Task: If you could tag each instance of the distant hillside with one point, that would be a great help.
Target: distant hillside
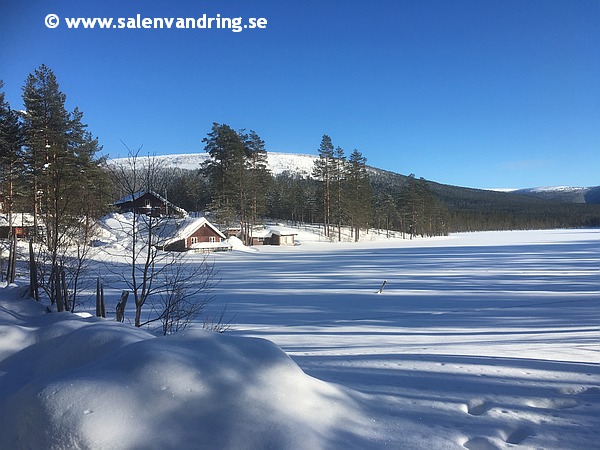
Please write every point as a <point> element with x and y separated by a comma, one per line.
<point>468,209</point>
<point>278,162</point>
<point>478,209</point>
<point>302,164</point>
<point>564,194</point>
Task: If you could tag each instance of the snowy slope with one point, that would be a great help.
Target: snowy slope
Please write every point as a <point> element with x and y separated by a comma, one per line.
<point>565,194</point>
<point>68,382</point>
<point>278,162</point>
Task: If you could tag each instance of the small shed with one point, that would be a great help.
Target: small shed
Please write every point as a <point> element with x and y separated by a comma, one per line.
<point>268,236</point>
<point>261,237</point>
<point>196,234</point>
<point>279,238</point>
<point>149,203</point>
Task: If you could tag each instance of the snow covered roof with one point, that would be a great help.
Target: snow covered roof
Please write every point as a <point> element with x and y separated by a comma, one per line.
<point>18,220</point>
<point>262,233</point>
<point>187,226</point>
<point>141,193</point>
<point>268,232</point>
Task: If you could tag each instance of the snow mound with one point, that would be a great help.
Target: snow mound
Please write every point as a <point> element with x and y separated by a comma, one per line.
<point>237,244</point>
<point>68,382</point>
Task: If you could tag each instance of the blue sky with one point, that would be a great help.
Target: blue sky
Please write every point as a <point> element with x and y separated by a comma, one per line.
<point>482,93</point>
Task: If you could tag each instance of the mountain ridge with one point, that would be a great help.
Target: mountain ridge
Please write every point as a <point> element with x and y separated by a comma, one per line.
<point>302,163</point>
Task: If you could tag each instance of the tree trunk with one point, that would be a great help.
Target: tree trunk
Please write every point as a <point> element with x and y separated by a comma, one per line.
<point>138,315</point>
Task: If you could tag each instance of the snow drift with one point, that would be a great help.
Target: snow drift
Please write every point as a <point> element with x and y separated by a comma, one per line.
<point>69,382</point>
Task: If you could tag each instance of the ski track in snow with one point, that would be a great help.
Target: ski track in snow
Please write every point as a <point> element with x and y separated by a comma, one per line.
<point>478,341</point>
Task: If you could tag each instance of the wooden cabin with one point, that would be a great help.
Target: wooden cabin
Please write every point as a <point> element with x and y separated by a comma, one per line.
<point>149,203</point>
<point>196,234</point>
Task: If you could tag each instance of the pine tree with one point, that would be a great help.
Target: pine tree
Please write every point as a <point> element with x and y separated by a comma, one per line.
<point>259,180</point>
<point>337,188</point>
<point>323,171</point>
<point>359,193</point>
<point>227,172</point>
<point>387,211</point>
<point>61,169</point>
<point>46,135</point>
<point>11,141</point>
<point>424,214</point>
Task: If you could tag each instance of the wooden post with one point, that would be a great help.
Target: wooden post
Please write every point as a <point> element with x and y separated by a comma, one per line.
<point>102,305</point>
<point>9,265</point>
<point>98,308</point>
<point>33,283</point>
<point>12,260</point>
<point>121,306</point>
<point>65,291</point>
<point>60,306</point>
<point>13,271</point>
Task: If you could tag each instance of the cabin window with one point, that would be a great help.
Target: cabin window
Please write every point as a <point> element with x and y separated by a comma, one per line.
<point>194,240</point>
<point>212,239</point>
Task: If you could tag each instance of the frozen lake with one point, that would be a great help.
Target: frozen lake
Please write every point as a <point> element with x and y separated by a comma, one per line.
<point>481,341</point>
<point>477,340</point>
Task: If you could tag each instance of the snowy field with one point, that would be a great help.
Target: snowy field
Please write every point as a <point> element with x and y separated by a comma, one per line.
<point>478,341</point>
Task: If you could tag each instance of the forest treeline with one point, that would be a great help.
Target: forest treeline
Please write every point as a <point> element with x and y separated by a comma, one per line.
<point>346,191</point>
<point>51,167</point>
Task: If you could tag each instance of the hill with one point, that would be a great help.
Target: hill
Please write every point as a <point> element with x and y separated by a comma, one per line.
<point>278,162</point>
<point>564,194</point>
<point>302,164</point>
<point>468,209</point>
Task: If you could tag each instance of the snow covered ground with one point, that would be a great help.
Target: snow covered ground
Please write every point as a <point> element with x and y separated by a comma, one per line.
<point>478,341</point>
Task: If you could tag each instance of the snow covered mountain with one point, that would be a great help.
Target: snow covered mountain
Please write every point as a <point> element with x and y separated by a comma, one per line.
<point>564,194</point>
<point>302,164</point>
<point>278,162</point>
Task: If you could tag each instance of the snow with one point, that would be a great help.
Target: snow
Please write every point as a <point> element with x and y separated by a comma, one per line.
<point>278,162</point>
<point>18,220</point>
<point>74,383</point>
<point>237,245</point>
<point>479,341</point>
<point>555,189</point>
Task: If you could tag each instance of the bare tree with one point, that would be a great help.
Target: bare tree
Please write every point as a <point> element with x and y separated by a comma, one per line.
<point>186,292</point>
<point>142,239</point>
<point>175,287</point>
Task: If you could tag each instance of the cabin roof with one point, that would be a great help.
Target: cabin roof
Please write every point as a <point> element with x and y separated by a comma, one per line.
<point>187,226</point>
<point>135,196</point>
